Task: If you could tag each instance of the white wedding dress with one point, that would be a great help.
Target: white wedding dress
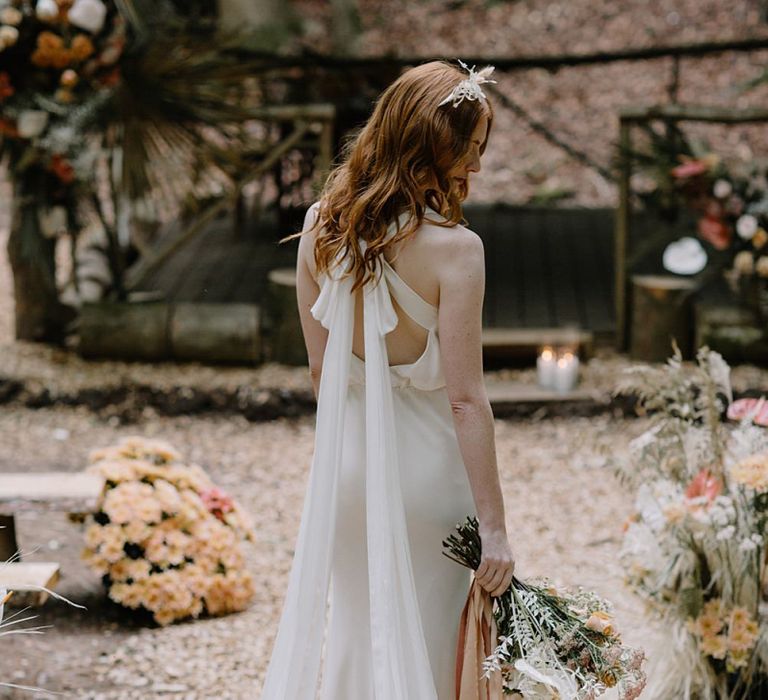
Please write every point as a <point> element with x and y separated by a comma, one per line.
<point>387,485</point>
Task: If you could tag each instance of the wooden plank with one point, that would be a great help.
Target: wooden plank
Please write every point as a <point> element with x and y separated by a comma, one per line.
<point>510,392</point>
<point>512,338</point>
<point>205,266</point>
<point>563,270</point>
<point>524,287</point>
<point>480,224</point>
<point>217,281</point>
<point>586,269</point>
<point>50,491</point>
<point>26,578</point>
<point>600,296</point>
<point>699,113</point>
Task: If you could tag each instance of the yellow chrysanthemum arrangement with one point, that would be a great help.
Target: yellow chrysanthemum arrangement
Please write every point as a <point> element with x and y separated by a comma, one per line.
<point>752,472</point>
<point>165,538</point>
<point>725,634</point>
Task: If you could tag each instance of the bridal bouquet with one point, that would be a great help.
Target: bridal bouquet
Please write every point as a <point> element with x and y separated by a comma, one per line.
<point>695,548</point>
<point>165,538</point>
<point>552,643</point>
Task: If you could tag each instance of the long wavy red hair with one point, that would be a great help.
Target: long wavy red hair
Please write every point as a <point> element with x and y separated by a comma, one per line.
<point>398,162</point>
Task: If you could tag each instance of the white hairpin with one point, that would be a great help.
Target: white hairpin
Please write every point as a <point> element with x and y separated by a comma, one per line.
<point>470,87</point>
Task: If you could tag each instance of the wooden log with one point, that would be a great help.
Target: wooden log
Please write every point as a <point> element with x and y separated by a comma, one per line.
<point>216,333</point>
<point>284,339</point>
<point>125,331</point>
<point>661,313</point>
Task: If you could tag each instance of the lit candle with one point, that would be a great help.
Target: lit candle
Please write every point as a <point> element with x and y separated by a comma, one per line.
<point>566,372</point>
<point>546,367</point>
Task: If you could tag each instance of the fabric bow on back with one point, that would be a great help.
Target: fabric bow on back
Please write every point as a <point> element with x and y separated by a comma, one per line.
<point>400,662</point>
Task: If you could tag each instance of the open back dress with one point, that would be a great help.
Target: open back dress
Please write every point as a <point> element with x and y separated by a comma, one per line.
<point>386,486</point>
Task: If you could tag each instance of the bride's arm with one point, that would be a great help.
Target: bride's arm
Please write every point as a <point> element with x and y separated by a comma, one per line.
<point>307,291</point>
<point>461,276</point>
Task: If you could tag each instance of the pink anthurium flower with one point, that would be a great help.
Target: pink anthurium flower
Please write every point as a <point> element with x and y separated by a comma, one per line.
<point>741,408</point>
<point>704,485</point>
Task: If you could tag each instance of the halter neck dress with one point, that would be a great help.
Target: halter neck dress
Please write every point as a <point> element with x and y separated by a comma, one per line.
<point>386,486</point>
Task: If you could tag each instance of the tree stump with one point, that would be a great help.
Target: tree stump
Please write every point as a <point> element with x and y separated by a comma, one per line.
<point>39,314</point>
<point>661,313</point>
<point>284,339</point>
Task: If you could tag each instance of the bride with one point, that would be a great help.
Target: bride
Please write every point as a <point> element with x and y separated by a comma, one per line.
<point>390,289</point>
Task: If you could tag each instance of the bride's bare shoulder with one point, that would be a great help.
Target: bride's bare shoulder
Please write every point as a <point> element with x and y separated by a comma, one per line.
<point>307,240</point>
<point>450,243</point>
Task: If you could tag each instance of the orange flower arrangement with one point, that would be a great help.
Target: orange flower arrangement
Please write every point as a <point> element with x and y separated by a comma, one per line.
<point>51,52</point>
<point>166,538</point>
<point>62,169</point>
<point>6,89</point>
<point>82,47</point>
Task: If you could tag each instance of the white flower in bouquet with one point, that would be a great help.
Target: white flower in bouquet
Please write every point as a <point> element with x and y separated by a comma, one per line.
<point>47,10</point>
<point>545,681</point>
<point>8,36</point>
<point>746,226</point>
<point>88,15</point>
<point>744,262</point>
<point>32,123</point>
<point>684,257</point>
<point>722,189</point>
<point>751,543</point>
<point>53,221</point>
<point>12,16</point>
<point>649,509</point>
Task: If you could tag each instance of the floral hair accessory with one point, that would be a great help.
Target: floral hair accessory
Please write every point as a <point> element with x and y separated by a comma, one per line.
<point>470,87</point>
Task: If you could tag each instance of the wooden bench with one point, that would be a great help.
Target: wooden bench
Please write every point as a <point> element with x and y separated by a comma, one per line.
<point>524,342</point>
<point>26,579</point>
<point>61,492</point>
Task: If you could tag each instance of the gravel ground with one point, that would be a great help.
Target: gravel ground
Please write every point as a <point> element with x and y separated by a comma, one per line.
<point>554,467</point>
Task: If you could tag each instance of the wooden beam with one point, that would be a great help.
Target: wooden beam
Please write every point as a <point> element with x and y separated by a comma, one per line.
<point>145,266</point>
<point>287,113</point>
<point>501,394</point>
<point>541,129</point>
<point>503,342</point>
<point>697,113</point>
<point>66,492</point>
<point>510,63</point>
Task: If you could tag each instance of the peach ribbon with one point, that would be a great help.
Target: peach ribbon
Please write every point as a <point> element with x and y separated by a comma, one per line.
<point>477,640</point>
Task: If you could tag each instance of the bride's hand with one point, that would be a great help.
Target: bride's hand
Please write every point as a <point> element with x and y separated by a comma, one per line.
<point>497,564</point>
